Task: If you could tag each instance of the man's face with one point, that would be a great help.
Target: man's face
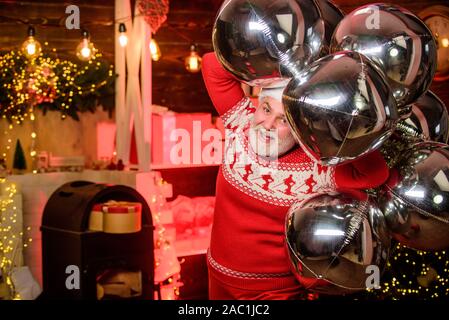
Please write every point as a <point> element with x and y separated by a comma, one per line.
<point>270,135</point>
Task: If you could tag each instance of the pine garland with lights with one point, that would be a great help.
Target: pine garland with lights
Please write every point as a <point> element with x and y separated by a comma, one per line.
<point>410,274</point>
<point>52,84</point>
<point>154,11</point>
<point>413,275</point>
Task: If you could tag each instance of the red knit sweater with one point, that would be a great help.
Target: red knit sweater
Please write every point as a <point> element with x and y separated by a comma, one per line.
<point>252,197</point>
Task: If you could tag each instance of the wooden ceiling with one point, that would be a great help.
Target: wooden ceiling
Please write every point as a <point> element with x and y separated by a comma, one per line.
<point>49,17</point>
<point>189,21</point>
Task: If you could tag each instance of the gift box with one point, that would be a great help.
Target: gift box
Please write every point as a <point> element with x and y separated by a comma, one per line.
<point>96,218</point>
<point>122,217</point>
<point>192,216</point>
<point>116,217</point>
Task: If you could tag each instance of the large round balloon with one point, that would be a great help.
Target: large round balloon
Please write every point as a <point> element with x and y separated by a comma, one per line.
<point>332,240</point>
<point>398,41</point>
<point>340,108</point>
<point>332,15</point>
<point>264,41</point>
<point>429,120</point>
<point>415,201</point>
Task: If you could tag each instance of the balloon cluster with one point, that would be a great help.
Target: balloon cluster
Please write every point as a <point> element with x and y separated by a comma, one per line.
<point>355,83</point>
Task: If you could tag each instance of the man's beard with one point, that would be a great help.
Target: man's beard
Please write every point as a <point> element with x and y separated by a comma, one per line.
<point>266,143</point>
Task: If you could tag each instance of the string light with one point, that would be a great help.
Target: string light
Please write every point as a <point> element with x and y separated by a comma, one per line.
<point>85,50</point>
<point>33,152</point>
<point>193,60</point>
<point>445,42</point>
<point>9,240</point>
<point>415,274</point>
<point>5,153</point>
<point>162,245</point>
<point>31,48</point>
<point>26,84</point>
<point>155,50</point>
<point>123,38</point>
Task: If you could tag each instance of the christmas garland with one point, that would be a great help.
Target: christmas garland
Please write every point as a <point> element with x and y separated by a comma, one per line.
<point>154,12</point>
<point>52,84</point>
<point>411,275</point>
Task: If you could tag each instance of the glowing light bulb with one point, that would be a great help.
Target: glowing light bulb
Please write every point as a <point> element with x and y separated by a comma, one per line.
<point>445,42</point>
<point>193,60</point>
<point>31,48</point>
<point>85,50</point>
<point>155,50</point>
<point>394,52</point>
<point>437,199</point>
<point>123,38</point>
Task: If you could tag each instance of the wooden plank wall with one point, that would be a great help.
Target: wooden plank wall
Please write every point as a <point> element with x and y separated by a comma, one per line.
<point>176,88</point>
<point>173,86</point>
<point>188,21</point>
<point>49,18</point>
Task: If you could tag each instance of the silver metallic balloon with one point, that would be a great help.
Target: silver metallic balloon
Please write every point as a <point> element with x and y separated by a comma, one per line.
<point>415,201</point>
<point>340,108</point>
<point>398,41</point>
<point>332,15</point>
<point>263,41</point>
<point>429,120</point>
<point>333,239</point>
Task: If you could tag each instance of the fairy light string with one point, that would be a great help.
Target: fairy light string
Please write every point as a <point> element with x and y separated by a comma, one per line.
<point>52,84</point>
<point>11,235</point>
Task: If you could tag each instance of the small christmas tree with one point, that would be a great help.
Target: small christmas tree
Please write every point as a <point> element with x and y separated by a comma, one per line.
<point>19,157</point>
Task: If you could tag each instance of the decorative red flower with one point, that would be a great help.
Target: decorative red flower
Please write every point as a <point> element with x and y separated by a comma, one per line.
<point>154,11</point>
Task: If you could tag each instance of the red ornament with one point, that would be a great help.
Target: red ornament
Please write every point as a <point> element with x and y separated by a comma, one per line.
<point>154,12</point>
